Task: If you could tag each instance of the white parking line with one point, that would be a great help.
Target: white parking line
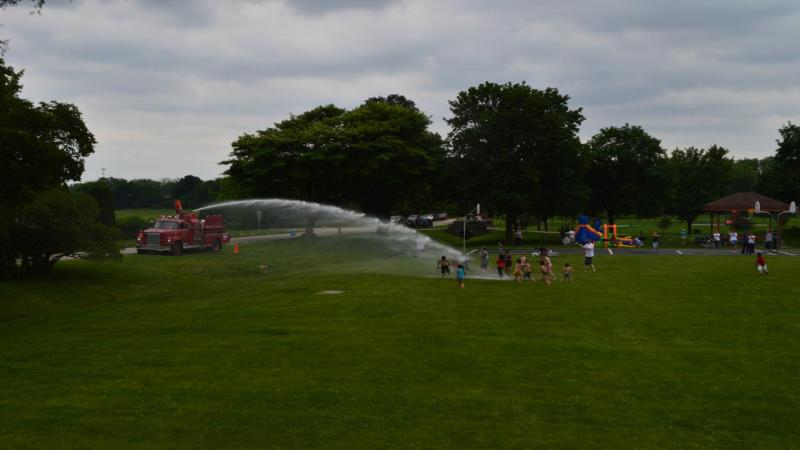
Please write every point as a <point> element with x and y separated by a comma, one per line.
<point>678,252</point>
<point>785,253</point>
<point>610,252</point>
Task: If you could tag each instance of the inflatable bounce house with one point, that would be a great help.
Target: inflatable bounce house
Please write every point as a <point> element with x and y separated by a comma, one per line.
<point>585,233</point>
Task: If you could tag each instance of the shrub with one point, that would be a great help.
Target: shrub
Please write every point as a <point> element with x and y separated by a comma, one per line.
<point>130,226</point>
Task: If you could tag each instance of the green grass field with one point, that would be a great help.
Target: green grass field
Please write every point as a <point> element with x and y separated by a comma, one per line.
<point>241,351</point>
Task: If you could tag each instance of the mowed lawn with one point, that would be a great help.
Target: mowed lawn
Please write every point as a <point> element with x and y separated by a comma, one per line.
<point>242,351</point>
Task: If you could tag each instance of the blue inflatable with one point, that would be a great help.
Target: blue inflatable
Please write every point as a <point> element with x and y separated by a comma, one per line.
<point>585,233</point>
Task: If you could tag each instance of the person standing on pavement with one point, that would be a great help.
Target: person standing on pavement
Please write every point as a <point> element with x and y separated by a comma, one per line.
<point>656,241</point>
<point>768,240</point>
<point>751,243</point>
<point>518,237</point>
<point>716,239</point>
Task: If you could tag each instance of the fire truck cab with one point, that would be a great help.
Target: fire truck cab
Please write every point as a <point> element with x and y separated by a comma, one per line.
<point>183,231</point>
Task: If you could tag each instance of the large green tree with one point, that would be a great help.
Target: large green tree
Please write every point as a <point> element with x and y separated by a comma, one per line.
<point>56,224</point>
<point>780,176</point>
<point>391,155</point>
<point>373,157</point>
<point>744,175</point>
<point>42,147</point>
<point>629,172</point>
<point>697,177</point>
<point>299,158</point>
<point>515,149</point>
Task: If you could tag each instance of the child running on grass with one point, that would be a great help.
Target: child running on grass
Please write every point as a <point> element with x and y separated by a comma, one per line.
<point>548,264</point>
<point>566,273</point>
<point>761,264</point>
<point>460,275</point>
<point>544,270</point>
<point>526,269</point>
<point>444,266</point>
<point>501,265</point>
<point>518,271</point>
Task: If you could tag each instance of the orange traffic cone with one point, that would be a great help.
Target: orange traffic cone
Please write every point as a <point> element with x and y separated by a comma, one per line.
<point>236,248</point>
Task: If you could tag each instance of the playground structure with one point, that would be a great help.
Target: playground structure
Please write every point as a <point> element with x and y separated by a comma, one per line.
<point>585,233</point>
<point>616,240</point>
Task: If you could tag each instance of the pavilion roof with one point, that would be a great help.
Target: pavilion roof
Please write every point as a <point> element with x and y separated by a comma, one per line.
<point>742,201</point>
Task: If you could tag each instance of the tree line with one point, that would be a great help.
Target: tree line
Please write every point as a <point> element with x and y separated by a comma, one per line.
<point>513,148</point>
<point>158,194</point>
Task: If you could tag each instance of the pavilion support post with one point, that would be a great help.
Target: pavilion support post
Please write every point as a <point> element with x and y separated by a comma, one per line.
<point>711,226</point>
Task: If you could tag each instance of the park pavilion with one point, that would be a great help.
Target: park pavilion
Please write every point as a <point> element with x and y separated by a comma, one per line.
<point>742,202</point>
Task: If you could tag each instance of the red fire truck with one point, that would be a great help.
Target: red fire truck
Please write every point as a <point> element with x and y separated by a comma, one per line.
<point>183,231</point>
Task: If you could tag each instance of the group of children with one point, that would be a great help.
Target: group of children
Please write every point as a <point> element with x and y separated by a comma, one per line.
<point>522,269</point>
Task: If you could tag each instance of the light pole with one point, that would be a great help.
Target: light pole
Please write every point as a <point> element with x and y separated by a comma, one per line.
<point>792,210</point>
<point>477,210</point>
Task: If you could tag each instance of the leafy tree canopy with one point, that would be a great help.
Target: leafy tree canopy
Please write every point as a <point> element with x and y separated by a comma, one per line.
<point>56,224</point>
<point>628,173</point>
<point>37,4</point>
<point>782,179</point>
<point>373,156</point>
<point>514,146</point>
<point>698,177</point>
<point>744,175</point>
<point>42,147</point>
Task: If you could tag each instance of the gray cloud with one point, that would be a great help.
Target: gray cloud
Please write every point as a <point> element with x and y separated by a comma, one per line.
<point>160,81</point>
<point>328,6</point>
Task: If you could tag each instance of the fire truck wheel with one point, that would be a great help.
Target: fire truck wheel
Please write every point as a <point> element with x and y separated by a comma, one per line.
<point>177,248</point>
<point>216,246</point>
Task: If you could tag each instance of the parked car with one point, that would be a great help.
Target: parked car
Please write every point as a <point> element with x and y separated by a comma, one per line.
<point>396,219</point>
<point>440,216</point>
<point>411,221</point>
<point>425,221</point>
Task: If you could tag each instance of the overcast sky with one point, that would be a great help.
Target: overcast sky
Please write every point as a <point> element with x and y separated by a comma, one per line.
<point>166,86</point>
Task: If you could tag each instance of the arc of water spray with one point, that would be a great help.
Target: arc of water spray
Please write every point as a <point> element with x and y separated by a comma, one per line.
<point>283,213</point>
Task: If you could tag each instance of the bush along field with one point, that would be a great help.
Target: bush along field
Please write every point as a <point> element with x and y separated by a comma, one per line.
<point>340,342</point>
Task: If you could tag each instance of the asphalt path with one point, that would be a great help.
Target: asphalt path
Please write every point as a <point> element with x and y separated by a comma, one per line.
<point>662,251</point>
